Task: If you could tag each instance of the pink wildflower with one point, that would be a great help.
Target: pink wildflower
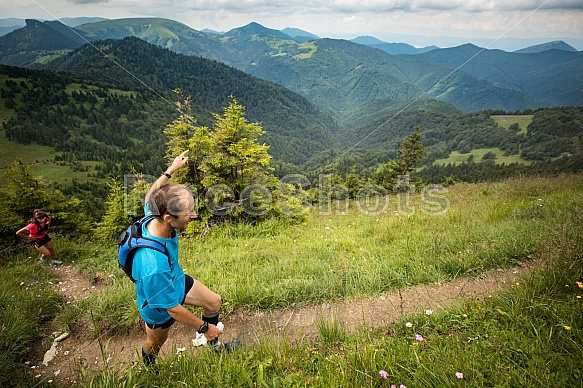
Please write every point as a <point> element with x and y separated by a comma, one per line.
<point>459,375</point>
<point>418,337</point>
<point>383,374</point>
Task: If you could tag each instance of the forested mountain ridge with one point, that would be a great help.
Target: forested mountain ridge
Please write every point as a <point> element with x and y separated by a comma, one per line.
<point>85,121</point>
<point>548,76</point>
<point>391,48</point>
<point>121,127</point>
<point>551,142</point>
<point>132,80</point>
<point>311,68</point>
<point>38,42</point>
<point>165,33</point>
<point>294,127</point>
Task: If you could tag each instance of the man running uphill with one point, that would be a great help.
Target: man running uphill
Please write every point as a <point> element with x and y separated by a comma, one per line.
<point>161,285</point>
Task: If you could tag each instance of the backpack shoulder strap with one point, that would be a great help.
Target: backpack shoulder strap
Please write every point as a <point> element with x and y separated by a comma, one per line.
<point>136,227</point>
<point>138,241</point>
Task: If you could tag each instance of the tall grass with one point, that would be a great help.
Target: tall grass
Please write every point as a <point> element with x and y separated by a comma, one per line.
<point>26,303</point>
<point>528,336</point>
<point>347,255</point>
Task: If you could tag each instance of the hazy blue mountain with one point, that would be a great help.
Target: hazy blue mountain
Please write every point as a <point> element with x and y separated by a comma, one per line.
<point>74,22</point>
<point>391,48</point>
<point>38,40</point>
<point>556,45</point>
<point>7,30</point>
<point>10,24</point>
<point>213,32</point>
<point>554,77</point>
<point>339,75</point>
<point>299,35</point>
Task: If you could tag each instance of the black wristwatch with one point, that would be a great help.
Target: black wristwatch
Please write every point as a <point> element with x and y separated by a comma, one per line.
<point>204,328</point>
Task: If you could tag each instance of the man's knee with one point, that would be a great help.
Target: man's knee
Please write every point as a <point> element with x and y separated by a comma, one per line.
<point>215,303</point>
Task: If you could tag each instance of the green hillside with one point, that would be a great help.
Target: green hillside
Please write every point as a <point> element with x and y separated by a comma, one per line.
<point>59,118</point>
<point>165,33</point>
<point>83,122</point>
<point>554,77</point>
<point>340,75</point>
<point>294,127</point>
<point>102,114</point>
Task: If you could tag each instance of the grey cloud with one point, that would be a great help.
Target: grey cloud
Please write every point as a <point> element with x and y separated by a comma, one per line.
<point>84,2</point>
<point>380,6</point>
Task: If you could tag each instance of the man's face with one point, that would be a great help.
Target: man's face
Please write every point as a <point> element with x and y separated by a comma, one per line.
<point>184,210</point>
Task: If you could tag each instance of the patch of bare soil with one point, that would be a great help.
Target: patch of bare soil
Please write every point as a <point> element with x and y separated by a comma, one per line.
<point>288,324</point>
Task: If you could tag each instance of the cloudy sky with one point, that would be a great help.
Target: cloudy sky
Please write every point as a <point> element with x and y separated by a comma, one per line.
<point>506,24</point>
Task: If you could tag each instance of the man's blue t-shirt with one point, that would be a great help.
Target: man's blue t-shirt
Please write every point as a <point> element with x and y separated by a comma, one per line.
<point>157,282</point>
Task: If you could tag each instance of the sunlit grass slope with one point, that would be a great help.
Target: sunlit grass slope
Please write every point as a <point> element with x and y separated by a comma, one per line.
<point>529,335</point>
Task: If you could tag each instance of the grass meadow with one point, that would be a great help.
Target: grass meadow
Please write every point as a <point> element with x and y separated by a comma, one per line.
<point>528,335</point>
<point>507,120</point>
<point>41,161</point>
<point>456,158</point>
<point>503,121</point>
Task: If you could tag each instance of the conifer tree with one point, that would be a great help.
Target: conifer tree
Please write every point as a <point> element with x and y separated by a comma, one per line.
<point>114,220</point>
<point>228,154</point>
<point>23,192</point>
<point>177,134</point>
<point>409,154</point>
<point>237,159</point>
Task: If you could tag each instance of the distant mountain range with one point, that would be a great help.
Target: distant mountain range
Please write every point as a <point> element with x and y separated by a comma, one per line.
<point>341,77</point>
<point>109,100</point>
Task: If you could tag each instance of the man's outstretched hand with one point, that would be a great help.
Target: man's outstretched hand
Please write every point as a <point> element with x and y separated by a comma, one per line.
<point>179,162</point>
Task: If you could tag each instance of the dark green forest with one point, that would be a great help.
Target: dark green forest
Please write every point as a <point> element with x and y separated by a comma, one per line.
<point>553,133</point>
<point>84,122</point>
<point>295,128</point>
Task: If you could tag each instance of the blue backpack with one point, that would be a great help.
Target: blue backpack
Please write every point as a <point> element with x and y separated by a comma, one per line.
<point>130,240</point>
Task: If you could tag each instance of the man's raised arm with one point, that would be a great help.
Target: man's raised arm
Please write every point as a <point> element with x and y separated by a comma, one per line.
<point>179,162</point>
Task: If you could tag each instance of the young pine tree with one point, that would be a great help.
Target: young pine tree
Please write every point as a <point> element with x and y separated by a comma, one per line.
<point>237,159</point>
<point>114,220</point>
<point>25,191</point>
<point>409,154</point>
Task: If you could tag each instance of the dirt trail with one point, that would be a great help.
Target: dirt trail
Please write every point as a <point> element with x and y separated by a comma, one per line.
<point>288,324</point>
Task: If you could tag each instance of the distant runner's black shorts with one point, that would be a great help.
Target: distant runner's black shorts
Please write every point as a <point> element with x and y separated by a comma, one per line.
<point>188,283</point>
<point>41,241</point>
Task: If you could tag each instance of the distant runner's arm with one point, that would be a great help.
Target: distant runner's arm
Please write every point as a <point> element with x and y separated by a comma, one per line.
<point>22,233</point>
